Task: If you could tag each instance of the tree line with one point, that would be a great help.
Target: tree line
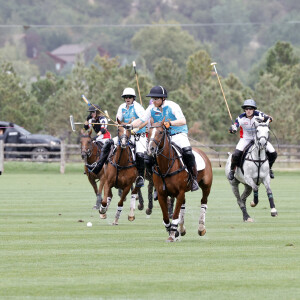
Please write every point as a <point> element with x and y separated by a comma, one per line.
<point>46,104</point>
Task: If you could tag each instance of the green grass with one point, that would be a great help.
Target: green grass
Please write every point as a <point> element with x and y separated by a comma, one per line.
<point>45,253</point>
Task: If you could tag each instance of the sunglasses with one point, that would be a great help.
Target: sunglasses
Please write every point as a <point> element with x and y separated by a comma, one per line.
<point>249,108</point>
<point>128,97</point>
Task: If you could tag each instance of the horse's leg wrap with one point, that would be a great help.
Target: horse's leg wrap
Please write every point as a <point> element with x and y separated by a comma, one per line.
<point>132,201</point>
<point>271,200</point>
<point>118,213</point>
<point>167,226</point>
<point>181,214</point>
<point>202,214</point>
<point>255,194</point>
<point>102,209</point>
<point>108,202</point>
<point>98,201</point>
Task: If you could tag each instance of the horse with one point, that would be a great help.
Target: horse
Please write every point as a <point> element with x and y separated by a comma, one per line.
<point>120,172</point>
<point>254,171</point>
<point>90,153</point>
<point>171,179</point>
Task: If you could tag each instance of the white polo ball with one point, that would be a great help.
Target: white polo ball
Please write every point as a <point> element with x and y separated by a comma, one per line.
<point>89,224</point>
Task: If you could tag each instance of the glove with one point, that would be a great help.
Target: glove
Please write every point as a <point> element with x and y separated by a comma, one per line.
<point>103,130</point>
<point>167,124</point>
<point>128,126</point>
<point>233,129</point>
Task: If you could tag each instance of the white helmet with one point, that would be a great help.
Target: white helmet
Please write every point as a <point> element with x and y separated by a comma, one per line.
<point>129,92</point>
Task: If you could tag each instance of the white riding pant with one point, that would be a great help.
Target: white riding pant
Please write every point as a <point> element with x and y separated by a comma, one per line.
<point>181,140</point>
<point>244,142</point>
<point>140,144</point>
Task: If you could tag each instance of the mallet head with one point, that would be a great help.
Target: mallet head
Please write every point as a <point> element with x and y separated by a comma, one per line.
<point>133,63</point>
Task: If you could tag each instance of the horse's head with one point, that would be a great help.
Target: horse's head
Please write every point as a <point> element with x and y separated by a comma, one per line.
<point>86,144</point>
<point>156,137</point>
<point>123,135</point>
<point>262,133</point>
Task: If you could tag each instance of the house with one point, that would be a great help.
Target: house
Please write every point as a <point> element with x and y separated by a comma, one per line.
<point>67,54</point>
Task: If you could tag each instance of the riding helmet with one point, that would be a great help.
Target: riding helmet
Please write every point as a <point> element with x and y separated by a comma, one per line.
<point>158,91</point>
<point>92,108</point>
<point>128,92</point>
<point>249,103</point>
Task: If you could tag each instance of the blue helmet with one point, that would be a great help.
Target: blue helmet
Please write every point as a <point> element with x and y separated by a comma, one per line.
<point>249,103</point>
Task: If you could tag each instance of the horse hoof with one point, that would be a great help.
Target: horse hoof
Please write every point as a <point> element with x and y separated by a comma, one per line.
<point>274,212</point>
<point>141,206</point>
<point>148,211</point>
<point>103,216</point>
<point>202,233</point>
<point>183,233</point>
<point>114,223</point>
<point>249,220</point>
<point>131,218</point>
<point>253,204</point>
<point>171,239</point>
<point>96,207</point>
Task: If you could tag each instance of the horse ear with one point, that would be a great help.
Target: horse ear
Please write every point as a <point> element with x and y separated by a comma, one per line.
<point>82,131</point>
<point>90,132</point>
<point>163,121</point>
<point>151,121</point>
<point>268,122</point>
<point>119,122</point>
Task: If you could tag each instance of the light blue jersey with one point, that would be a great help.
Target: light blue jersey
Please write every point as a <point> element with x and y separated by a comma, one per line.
<point>171,111</point>
<point>128,115</point>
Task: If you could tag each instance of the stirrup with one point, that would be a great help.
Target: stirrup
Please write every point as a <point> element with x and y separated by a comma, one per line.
<point>272,174</point>
<point>139,181</point>
<point>195,185</point>
<point>231,175</point>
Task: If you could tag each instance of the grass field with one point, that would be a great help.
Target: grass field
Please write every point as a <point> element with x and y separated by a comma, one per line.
<point>46,253</point>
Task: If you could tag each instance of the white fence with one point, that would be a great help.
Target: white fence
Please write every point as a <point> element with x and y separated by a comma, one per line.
<point>288,155</point>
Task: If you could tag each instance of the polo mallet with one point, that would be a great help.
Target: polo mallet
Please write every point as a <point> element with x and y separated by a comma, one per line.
<point>137,82</point>
<point>80,123</point>
<point>214,65</point>
<point>104,113</point>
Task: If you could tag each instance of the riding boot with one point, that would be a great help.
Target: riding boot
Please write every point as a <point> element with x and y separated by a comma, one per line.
<point>141,169</point>
<point>190,162</point>
<point>271,157</point>
<point>149,163</point>
<point>96,167</point>
<point>235,161</point>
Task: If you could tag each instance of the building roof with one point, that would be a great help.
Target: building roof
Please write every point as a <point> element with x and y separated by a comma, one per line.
<point>68,53</point>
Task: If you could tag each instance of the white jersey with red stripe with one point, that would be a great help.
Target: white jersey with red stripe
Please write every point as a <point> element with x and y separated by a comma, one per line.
<point>246,125</point>
<point>247,130</point>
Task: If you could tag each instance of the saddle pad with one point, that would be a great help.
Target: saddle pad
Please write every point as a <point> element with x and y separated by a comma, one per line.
<point>199,161</point>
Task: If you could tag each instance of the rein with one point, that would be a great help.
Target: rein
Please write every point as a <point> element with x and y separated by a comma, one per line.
<point>160,147</point>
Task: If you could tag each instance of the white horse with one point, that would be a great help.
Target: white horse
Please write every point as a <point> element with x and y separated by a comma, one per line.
<point>255,170</point>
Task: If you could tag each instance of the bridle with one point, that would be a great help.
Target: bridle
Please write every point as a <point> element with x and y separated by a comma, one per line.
<point>159,147</point>
<point>86,152</point>
<point>259,138</point>
<point>123,140</point>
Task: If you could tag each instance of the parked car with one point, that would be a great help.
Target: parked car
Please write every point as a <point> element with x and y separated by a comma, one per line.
<point>15,134</point>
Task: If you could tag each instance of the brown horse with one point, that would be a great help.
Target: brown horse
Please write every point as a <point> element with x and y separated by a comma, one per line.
<point>120,173</point>
<point>171,179</point>
<point>90,152</point>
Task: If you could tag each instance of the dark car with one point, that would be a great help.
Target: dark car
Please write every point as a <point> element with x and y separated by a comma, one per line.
<point>13,134</point>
